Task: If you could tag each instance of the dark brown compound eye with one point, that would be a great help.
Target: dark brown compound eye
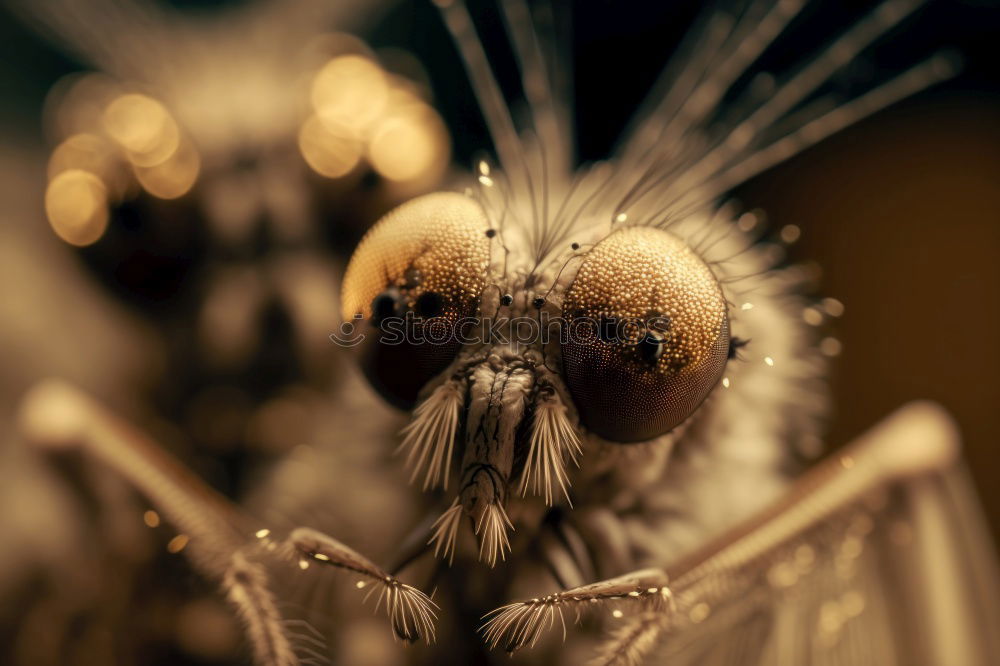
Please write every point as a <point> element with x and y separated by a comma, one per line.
<point>648,335</point>
<point>416,278</point>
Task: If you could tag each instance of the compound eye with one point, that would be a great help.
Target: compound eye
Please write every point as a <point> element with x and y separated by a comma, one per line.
<point>416,278</point>
<point>649,334</point>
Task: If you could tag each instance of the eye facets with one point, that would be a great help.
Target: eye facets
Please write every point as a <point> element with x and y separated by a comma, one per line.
<point>661,338</point>
<point>429,258</point>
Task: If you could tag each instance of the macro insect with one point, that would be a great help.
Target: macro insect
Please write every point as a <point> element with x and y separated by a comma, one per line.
<point>605,374</point>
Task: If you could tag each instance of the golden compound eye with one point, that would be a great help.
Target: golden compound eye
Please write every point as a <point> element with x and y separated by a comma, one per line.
<point>415,276</point>
<point>649,334</point>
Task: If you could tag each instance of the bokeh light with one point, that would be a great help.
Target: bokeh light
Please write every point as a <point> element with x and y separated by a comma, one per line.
<point>76,203</point>
<point>174,177</point>
<point>350,91</point>
<point>329,152</point>
<point>361,110</point>
<point>77,102</point>
<point>121,140</point>
<point>410,145</point>
<point>93,153</point>
<point>143,128</point>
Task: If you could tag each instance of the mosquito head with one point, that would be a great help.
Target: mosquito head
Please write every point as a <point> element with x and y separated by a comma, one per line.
<point>510,357</point>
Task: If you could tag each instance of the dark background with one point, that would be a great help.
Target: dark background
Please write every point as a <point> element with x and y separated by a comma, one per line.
<point>901,211</point>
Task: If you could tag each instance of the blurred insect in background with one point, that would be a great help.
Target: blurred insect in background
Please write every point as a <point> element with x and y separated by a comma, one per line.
<point>614,467</point>
<point>214,169</point>
<point>231,255</point>
<point>212,176</point>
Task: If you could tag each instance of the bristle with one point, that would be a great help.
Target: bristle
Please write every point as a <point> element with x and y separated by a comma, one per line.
<point>487,91</point>
<point>817,71</point>
<point>749,38</point>
<point>678,79</point>
<point>553,442</point>
<point>429,439</point>
<point>552,127</point>
<point>491,528</point>
<point>718,57</point>
<point>446,531</point>
<point>934,70</point>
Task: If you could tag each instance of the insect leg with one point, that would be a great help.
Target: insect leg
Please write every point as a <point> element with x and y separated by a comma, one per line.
<point>520,624</point>
<point>57,416</point>
<point>410,611</point>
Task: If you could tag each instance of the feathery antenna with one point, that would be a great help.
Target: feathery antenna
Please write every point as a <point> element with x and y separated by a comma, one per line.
<point>429,439</point>
<point>491,528</point>
<point>446,531</point>
<point>553,442</point>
